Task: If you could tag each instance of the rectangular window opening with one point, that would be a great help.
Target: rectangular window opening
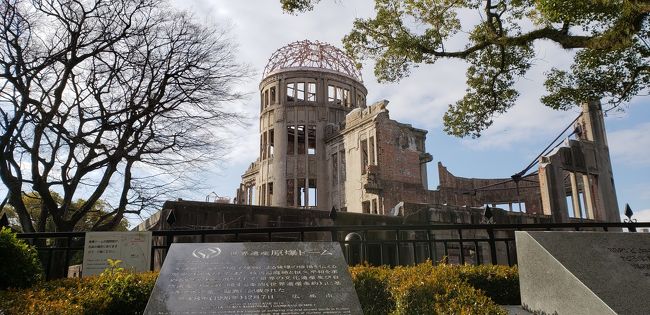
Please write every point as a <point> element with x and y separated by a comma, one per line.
<point>342,170</point>
<point>569,206</point>
<point>504,206</point>
<point>373,161</point>
<point>291,92</point>
<point>291,136</point>
<point>364,156</point>
<point>331,93</point>
<point>300,95</point>
<point>312,193</point>
<point>335,170</point>
<point>346,97</point>
<point>419,143</point>
<point>365,206</point>
<point>583,211</point>
<point>273,100</point>
<point>302,193</point>
<point>360,101</point>
<point>269,189</point>
<point>271,141</point>
<point>301,139</point>
<point>521,206</point>
<point>311,140</point>
<point>263,146</point>
<point>339,96</point>
<point>374,207</point>
<point>290,192</point>
<point>311,92</point>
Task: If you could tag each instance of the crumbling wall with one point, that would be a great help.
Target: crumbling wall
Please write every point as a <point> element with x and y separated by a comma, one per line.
<point>384,161</point>
<point>474,192</point>
<point>579,175</point>
<point>574,181</point>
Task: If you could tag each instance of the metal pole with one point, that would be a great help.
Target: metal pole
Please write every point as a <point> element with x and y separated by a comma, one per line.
<point>493,245</point>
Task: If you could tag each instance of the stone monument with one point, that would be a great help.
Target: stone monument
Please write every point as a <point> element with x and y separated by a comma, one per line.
<point>584,272</point>
<point>254,278</point>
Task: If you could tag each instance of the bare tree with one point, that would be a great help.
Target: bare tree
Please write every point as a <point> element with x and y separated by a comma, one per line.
<point>107,97</point>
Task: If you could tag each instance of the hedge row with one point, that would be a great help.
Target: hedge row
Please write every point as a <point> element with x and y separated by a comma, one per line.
<point>19,264</point>
<point>421,289</point>
<point>439,289</point>
<point>115,291</point>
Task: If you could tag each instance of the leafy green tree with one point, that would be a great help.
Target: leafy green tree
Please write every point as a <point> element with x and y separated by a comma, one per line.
<point>33,203</point>
<point>610,37</point>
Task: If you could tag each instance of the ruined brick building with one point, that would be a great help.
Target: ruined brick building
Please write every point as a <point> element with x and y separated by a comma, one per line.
<point>322,146</point>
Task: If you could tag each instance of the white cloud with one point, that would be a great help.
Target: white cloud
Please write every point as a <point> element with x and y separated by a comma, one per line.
<point>243,148</point>
<point>631,146</point>
<point>529,120</point>
<point>524,123</point>
<point>422,98</point>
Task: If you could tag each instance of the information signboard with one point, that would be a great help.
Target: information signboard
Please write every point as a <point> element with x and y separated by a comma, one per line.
<point>132,248</point>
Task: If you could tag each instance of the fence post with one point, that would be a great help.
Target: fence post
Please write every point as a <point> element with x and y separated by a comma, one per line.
<point>153,255</point>
<point>460,245</point>
<point>493,245</point>
<point>67,256</point>
<point>169,239</point>
<point>364,246</point>
<point>397,239</point>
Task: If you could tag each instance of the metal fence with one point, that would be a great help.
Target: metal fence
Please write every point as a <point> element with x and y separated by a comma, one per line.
<point>377,245</point>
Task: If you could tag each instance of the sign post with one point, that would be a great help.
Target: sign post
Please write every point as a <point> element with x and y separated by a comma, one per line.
<point>132,248</point>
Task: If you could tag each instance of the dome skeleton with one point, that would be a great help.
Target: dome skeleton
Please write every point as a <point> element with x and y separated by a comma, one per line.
<point>312,55</point>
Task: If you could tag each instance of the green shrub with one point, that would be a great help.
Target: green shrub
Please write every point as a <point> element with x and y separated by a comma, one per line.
<point>435,289</point>
<point>420,289</point>
<point>20,266</point>
<point>423,296</point>
<point>128,292</point>
<point>500,283</point>
<point>65,296</point>
<point>115,291</point>
<point>373,289</point>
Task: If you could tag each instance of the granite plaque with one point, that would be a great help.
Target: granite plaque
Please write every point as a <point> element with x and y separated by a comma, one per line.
<point>584,272</point>
<point>132,248</point>
<point>254,278</point>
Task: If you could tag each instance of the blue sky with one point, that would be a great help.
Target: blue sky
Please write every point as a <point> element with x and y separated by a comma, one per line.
<point>421,99</point>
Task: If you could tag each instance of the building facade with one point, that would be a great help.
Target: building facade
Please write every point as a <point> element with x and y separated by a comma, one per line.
<point>323,147</point>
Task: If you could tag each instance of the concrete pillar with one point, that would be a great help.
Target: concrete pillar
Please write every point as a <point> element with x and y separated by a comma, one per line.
<point>589,198</point>
<point>551,181</point>
<point>279,167</point>
<point>322,180</point>
<point>593,129</point>
<point>575,197</point>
